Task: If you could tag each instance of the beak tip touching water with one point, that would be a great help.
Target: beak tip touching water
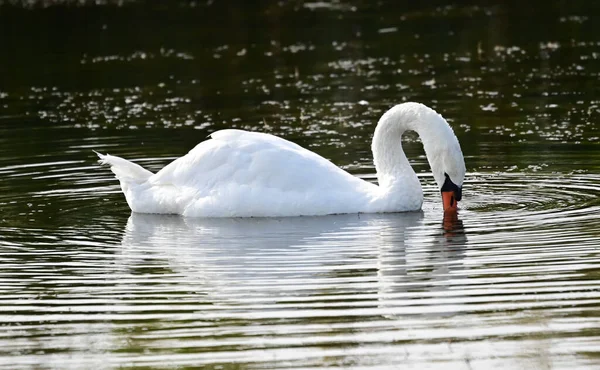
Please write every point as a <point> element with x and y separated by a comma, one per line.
<point>449,201</point>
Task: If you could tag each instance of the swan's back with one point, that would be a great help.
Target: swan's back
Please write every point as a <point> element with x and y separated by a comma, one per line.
<point>240,173</point>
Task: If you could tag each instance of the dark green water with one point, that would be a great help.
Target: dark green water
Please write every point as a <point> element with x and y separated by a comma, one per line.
<point>513,283</point>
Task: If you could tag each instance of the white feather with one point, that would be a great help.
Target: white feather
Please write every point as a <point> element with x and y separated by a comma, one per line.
<point>247,174</point>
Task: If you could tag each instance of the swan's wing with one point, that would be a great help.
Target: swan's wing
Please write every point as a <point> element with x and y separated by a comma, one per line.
<point>257,160</point>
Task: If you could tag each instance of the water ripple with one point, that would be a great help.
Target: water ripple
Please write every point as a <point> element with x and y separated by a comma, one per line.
<point>205,291</point>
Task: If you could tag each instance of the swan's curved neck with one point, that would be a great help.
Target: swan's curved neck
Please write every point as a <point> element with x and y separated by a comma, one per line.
<point>393,168</point>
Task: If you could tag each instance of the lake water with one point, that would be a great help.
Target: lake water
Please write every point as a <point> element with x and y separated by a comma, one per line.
<point>512,282</point>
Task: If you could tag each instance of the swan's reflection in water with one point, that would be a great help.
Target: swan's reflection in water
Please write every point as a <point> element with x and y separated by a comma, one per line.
<point>415,269</point>
<point>234,260</point>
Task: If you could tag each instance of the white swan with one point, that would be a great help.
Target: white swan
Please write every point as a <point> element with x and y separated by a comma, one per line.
<point>246,174</point>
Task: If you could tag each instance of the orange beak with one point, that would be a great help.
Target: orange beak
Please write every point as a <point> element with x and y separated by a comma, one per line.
<point>449,201</point>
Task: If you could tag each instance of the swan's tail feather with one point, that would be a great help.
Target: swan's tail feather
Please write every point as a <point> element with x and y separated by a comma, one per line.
<point>124,170</point>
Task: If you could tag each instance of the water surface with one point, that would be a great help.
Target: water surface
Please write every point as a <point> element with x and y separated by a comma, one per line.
<point>512,282</point>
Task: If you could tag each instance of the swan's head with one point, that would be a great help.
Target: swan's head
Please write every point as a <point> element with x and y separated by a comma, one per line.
<point>451,194</point>
<point>448,167</point>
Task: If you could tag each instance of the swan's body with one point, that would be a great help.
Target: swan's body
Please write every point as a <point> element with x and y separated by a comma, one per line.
<point>246,174</point>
